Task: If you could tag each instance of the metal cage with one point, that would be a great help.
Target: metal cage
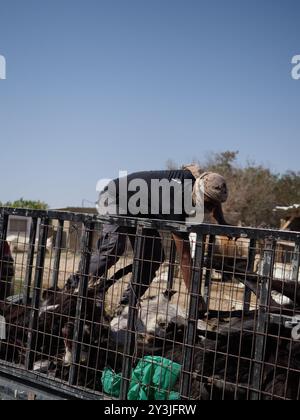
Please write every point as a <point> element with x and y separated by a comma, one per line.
<point>66,331</point>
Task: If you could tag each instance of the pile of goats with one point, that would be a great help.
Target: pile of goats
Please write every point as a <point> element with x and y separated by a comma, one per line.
<point>223,359</point>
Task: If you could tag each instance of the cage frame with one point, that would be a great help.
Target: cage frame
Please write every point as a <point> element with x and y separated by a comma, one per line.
<point>44,386</point>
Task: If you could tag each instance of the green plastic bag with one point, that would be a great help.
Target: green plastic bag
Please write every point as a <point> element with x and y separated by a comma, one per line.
<point>152,379</point>
<point>111,383</point>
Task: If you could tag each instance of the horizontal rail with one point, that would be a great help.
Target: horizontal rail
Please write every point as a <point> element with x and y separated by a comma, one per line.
<point>202,229</point>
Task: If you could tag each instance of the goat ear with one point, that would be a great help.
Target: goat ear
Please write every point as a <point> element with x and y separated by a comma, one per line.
<point>168,294</point>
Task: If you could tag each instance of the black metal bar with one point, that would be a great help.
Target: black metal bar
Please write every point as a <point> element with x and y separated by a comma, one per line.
<point>296,262</point>
<point>203,229</point>
<point>208,266</point>
<point>262,317</point>
<point>30,260</point>
<point>57,254</point>
<point>38,285</point>
<point>191,330</point>
<point>86,250</point>
<point>296,268</point>
<point>171,266</point>
<point>250,269</point>
<point>130,336</point>
<point>4,218</point>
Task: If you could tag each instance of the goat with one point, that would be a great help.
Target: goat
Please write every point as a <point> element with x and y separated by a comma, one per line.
<point>57,309</point>
<point>282,373</point>
<point>222,366</point>
<point>157,318</point>
<point>17,319</point>
<point>53,337</point>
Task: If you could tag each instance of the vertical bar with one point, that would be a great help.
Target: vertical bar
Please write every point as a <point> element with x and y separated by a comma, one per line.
<point>171,265</point>
<point>57,254</point>
<point>3,229</point>
<point>262,317</point>
<point>208,274</point>
<point>250,269</point>
<point>38,285</point>
<point>191,331</point>
<point>6,291</point>
<point>30,259</point>
<point>296,262</point>
<point>295,268</point>
<point>86,251</point>
<point>132,314</point>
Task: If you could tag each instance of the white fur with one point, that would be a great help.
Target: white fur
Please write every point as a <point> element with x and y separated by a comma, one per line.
<point>283,272</point>
<point>67,360</point>
<point>46,308</point>
<point>41,366</point>
<point>155,314</point>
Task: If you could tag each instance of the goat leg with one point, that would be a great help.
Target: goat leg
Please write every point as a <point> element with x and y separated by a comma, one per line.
<point>288,289</point>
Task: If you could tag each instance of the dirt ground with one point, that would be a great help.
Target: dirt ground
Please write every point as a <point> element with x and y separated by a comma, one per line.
<point>68,265</point>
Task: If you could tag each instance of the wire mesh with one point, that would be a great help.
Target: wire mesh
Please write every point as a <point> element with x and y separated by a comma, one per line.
<point>103,309</point>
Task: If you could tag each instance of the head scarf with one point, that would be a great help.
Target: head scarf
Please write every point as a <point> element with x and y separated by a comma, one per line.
<point>210,184</point>
<point>214,186</point>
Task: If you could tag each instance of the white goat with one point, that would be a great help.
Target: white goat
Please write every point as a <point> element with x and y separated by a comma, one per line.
<point>155,315</point>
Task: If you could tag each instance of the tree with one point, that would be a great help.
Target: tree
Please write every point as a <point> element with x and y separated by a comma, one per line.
<point>252,197</point>
<point>26,204</point>
<point>224,162</point>
<point>254,189</point>
<point>288,189</point>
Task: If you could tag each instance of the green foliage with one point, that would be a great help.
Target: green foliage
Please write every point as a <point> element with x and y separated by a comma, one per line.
<point>26,204</point>
<point>288,189</point>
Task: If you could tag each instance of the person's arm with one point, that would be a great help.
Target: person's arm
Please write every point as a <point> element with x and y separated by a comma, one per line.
<point>184,252</point>
<point>219,215</point>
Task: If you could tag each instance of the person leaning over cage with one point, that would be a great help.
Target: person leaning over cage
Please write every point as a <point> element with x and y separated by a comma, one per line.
<point>208,190</point>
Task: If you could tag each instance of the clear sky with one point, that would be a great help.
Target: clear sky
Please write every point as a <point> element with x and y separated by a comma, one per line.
<point>98,86</point>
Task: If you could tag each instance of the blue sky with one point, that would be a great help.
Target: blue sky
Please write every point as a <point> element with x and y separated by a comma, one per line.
<point>98,86</point>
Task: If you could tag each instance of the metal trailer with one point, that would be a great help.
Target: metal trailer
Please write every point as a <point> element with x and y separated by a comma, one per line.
<point>58,343</point>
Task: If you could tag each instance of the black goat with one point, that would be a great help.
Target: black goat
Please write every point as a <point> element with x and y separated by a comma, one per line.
<point>222,368</point>
<point>222,363</point>
<point>53,337</point>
